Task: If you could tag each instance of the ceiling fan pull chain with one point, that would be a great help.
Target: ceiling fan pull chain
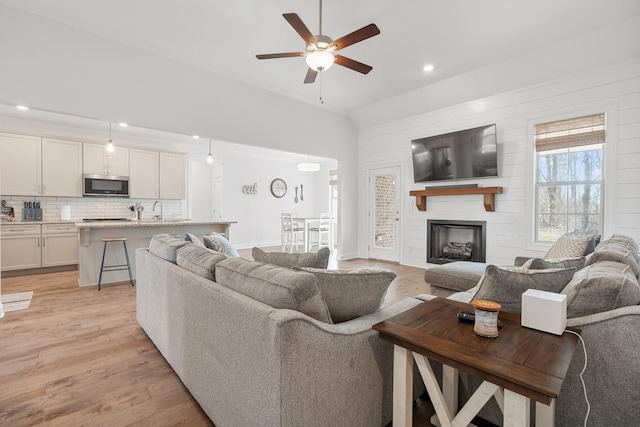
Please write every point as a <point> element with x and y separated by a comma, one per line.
<point>321,97</point>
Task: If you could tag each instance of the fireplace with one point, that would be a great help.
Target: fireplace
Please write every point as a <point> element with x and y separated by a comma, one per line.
<point>449,241</point>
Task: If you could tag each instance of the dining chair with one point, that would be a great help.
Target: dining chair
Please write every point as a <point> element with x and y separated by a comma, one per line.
<point>291,233</point>
<point>322,232</point>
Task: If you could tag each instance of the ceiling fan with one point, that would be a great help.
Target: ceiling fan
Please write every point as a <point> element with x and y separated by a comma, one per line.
<point>320,51</point>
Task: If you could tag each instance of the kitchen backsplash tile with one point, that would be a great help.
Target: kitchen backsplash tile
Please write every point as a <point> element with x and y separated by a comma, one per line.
<point>93,207</point>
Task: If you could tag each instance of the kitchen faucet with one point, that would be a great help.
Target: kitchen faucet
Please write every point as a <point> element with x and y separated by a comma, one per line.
<point>161,210</point>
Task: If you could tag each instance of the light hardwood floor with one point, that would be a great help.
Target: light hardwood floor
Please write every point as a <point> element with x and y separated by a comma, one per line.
<point>77,356</point>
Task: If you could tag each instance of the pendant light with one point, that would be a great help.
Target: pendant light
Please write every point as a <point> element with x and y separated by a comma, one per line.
<point>110,147</point>
<point>210,157</point>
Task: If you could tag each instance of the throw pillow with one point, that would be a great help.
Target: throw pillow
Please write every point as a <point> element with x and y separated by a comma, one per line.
<point>352,293</point>
<point>166,247</point>
<point>601,287</point>
<point>276,286</point>
<point>568,246</point>
<point>541,264</point>
<point>193,239</point>
<point>507,284</point>
<point>199,260</point>
<point>318,259</point>
<point>219,243</point>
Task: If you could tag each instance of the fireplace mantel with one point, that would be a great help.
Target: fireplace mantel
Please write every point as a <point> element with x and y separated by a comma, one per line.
<point>488,192</point>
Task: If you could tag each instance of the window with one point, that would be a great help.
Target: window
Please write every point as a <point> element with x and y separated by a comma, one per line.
<point>569,177</point>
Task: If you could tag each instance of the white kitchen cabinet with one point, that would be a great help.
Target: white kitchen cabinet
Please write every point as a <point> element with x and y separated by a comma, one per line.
<point>27,246</point>
<point>96,161</point>
<point>61,168</point>
<point>143,174</point>
<point>33,166</point>
<point>172,174</point>
<point>21,247</point>
<point>59,244</point>
<point>20,165</point>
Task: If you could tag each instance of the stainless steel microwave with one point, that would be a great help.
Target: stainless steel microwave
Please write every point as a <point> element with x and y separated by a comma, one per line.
<point>105,186</point>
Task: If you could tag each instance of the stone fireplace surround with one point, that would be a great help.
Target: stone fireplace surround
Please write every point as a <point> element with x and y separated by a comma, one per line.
<point>451,240</point>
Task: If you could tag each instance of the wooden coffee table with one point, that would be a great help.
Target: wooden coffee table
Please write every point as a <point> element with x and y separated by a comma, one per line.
<point>519,365</point>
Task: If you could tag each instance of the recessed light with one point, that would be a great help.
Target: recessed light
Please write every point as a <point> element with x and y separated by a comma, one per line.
<point>124,125</point>
<point>428,67</point>
<point>22,107</point>
<point>196,136</point>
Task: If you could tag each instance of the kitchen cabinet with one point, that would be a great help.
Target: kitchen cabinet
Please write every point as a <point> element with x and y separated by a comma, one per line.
<point>156,175</point>
<point>33,166</point>
<point>143,174</point>
<point>20,165</point>
<point>21,247</point>
<point>172,174</point>
<point>96,161</point>
<point>59,244</point>
<point>61,168</point>
<point>27,246</point>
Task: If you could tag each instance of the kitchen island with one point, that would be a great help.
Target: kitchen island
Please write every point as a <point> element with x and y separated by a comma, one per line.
<point>138,234</point>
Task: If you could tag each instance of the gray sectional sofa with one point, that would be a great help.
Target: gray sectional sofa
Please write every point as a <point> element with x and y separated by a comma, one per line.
<point>255,343</point>
<point>602,301</point>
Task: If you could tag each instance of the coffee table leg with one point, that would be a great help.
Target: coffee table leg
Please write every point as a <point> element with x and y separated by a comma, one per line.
<point>450,387</point>
<point>402,387</point>
<point>516,409</point>
<point>546,414</point>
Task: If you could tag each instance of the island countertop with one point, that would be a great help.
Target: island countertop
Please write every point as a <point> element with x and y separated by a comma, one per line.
<point>149,223</point>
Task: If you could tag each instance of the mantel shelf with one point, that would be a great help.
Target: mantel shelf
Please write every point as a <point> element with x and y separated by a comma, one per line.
<point>488,192</point>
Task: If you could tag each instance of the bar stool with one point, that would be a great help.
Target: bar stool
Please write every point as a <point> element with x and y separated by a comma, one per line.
<point>115,267</point>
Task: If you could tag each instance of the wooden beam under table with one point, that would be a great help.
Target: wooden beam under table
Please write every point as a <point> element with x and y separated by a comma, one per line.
<point>488,192</point>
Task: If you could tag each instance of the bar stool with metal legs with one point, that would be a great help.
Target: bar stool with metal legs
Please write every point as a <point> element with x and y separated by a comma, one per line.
<point>115,267</point>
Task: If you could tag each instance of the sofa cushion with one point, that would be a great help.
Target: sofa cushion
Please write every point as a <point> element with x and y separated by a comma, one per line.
<point>166,247</point>
<point>318,259</point>
<point>541,264</point>
<point>199,260</point>
<point>612,250</point>
<point>457,276</point>
<point>505,285</point>
<point>626,242</point>
<point>569,246</point>
<point>219,243</point>
<point>353,292</point>
<point>276,286</point>
<point>601,287</point>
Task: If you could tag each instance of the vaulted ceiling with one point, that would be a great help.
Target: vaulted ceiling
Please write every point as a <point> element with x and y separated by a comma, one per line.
<point>456,36</point>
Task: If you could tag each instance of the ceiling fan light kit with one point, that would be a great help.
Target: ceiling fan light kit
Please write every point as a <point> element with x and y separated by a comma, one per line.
<point>320,49</point>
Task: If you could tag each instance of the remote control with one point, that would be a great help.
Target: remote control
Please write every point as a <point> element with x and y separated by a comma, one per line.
<point>469,316</point>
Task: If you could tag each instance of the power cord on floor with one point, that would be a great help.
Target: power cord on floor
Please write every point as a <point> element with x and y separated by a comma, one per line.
<point>584,387</point>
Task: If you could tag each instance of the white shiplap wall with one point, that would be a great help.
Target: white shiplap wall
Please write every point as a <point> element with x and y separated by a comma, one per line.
<point>614,90</point>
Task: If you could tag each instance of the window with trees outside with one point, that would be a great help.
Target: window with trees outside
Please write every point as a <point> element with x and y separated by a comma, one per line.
<point>569,177</point>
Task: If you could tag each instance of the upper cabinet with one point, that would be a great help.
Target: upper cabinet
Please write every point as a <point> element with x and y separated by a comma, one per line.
<point>143,174</point>
<point>61,168</point>
<point>33,166</point>
<point>96,161</point>
<point>20,165</point>
<point>156,175</point>
<point>172,176</point>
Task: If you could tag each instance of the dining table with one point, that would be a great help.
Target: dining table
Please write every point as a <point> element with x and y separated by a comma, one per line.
<point>305,223</point>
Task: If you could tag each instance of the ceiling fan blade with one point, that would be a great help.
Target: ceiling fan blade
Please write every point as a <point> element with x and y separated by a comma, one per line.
<point>354,65</point>
<point>300,28</point>
<point>357,36</point>
<point>279,55</point>
<point>311,76</point>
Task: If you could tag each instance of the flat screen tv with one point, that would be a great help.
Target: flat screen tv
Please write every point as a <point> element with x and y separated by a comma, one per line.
<point>465,154</point>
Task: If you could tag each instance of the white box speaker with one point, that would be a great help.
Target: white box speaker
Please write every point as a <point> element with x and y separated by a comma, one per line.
<point>544,311</point>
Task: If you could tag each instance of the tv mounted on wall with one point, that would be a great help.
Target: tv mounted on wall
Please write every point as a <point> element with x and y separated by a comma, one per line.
<point>465,154</point>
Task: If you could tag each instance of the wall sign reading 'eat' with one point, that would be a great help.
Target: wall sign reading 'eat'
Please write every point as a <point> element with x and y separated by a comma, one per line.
<point>250,189</point>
